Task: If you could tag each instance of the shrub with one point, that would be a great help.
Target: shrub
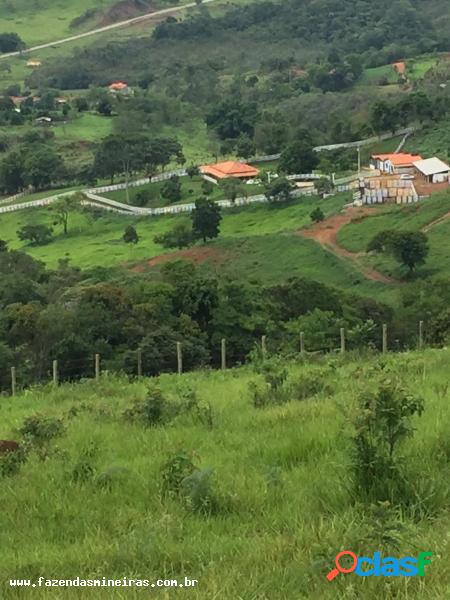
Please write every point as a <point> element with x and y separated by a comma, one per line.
<point>273,391</point>
<point>382,422</point>
<point>84,470</point>
<point>154,410</point>
<point>308,385</point>
<point>197,491</point>
<point>175,470</point>
<point>11,462</point>
<point>39,429</point>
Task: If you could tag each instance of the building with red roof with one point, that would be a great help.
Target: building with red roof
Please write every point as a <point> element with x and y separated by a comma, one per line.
<point>119,87</point>
<point>229,168</point>
<point>397,162</point>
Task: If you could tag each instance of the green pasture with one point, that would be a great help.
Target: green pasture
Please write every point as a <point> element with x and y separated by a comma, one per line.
<point>91,503</point>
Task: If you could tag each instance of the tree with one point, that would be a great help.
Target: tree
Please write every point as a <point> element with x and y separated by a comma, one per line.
<point>3,246</point>
<point>299,157</point>
<point>323,186</point>
<point>12,172</point>
<point>317,215</point>
<point>130,235</point>
<point>104,107</point>
<point>192,171</point>
<point>279,190</point>
<point>409,248</point>
<point>41,167</point>
<point>38,235</point>
<point>61,210</point>
<point>171,189</point>
<point>231,187</point>
<point>206,219</point>
<point>10,42</point>
<point>180,236</point>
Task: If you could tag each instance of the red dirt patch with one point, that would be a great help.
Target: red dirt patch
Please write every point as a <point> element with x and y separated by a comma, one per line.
<point>196,255</point>
<point>326,232</point>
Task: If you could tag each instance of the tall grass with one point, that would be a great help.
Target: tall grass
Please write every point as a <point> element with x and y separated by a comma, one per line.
<point>284,493</point>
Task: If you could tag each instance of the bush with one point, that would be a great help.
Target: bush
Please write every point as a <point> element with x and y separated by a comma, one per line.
<point>11,462</point>
<point>273,391</point>
<point>39,429</point>
<point>154,410</point>
<point>382,422</point>
<point>175,470</point>
<point>308,385</point>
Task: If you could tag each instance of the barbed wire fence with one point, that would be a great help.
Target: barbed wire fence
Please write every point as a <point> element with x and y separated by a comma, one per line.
<point>91,367</point>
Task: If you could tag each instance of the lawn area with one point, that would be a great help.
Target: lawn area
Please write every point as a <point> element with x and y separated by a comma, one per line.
<point>191,189</point>
<point>280,482</point>
<point>86,127</point>
<point>47,20</point>
<point>355,236</point>
<point>431,140</point>
<point>374,75</point>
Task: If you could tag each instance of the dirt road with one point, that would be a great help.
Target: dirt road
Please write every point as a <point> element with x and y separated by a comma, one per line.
<point>326,232</point>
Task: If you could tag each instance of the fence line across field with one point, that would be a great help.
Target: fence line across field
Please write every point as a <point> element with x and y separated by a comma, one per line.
<point>96,362</point>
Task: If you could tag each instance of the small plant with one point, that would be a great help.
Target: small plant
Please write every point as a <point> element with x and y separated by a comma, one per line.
<point>40,429</point>
<point>308,385</point>
<point>200,409</point>
<point>197,491</point>
<point>273,390</point>
<point>175,470</point>
<point>84,470</point>
<point>154,410</point>
<point>11,462</point>
<point>112,476</point>
<point>382,422</point>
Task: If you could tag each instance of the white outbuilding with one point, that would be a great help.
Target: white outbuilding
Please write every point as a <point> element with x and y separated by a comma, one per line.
<point>433,170</point>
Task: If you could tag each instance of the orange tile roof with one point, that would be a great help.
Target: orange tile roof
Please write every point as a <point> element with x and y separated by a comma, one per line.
<point>118,85</point>
<point>399,159</point>
<point>400,67</point>
<point>229,169</point>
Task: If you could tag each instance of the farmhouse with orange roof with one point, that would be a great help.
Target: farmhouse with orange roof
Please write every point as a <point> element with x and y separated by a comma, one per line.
<point>227,169</point>
<point>399,162</point>
<point>120,87</point>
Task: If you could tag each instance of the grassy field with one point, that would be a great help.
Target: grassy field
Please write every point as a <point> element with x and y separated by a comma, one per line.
<point>98,241</point>
<point>431,141</point>
<point>278,482</point>
<point>355,237</point>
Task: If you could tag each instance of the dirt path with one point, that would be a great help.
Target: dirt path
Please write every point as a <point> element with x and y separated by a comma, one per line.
<point>155,14</point>
<point>442,219</point>
<point>326,232</point>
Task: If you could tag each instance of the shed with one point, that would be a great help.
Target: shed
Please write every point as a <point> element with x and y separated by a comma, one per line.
<point>434,170</point>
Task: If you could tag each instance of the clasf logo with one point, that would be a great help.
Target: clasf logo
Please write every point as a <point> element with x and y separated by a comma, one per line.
<point>407,566</point>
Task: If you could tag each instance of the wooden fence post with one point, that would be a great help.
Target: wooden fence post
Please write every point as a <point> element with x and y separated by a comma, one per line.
<point>97,366</point>
<point>263,346</point>
<point>13,381</point>
<point>179,358</point>
<point>342,340</point>
<point>139,362</point>
<point>420,335</point>
<point>55,372</point>
<point>223,352</point>
<point>385,339</point>
<point>302,342</point>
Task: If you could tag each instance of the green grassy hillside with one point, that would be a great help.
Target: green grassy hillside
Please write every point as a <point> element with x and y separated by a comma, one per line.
<point>272,501</point>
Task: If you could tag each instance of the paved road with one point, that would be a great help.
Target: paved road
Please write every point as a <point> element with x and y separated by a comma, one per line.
<point>125,23</point>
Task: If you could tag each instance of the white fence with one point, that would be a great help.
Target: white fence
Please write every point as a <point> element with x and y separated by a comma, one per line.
<point>139,182</point>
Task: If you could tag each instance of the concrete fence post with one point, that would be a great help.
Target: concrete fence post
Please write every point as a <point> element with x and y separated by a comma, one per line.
<point>97,366</point>
<point>55,372</point>
<point>139,362</point>
<point>179,358</point>
<point>223,353</point>
<point>342,340</point>
<point>13,381</point>
<point>264,346</point>
<point>420,335</point>
<point>385,338</point>
<point>302,342</point>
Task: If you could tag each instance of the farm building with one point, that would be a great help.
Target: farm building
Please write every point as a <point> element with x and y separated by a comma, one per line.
<point>433,170</point>
<point>33,63</point>
<point>400,68</point>
<point>398,162</point>
<point>227,169</point>
<point>120,87</point>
